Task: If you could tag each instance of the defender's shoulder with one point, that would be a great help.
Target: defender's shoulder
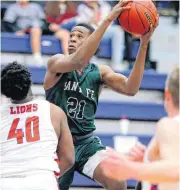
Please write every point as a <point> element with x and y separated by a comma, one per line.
<point>166,124</point>
<point>165,121</point>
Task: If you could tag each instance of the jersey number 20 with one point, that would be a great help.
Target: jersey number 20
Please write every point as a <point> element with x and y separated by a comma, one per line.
<point>31,136</point>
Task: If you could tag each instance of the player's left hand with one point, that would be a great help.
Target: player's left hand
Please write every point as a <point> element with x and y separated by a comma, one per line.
<point>146,37</point>
<point>137,152</point>
<point>117,167</point>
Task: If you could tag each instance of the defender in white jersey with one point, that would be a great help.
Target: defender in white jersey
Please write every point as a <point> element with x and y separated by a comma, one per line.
<point>163,151</point>
<point>32,134</point>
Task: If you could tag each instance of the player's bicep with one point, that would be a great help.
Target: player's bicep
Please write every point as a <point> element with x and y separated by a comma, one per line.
<point>61,64</point>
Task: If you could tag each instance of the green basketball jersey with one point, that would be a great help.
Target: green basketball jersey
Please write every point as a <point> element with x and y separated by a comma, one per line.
<point>77,95</point>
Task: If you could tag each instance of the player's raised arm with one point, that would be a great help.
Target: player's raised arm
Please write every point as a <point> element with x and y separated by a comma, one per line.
<point>85,45</point>
<point>129,86</point>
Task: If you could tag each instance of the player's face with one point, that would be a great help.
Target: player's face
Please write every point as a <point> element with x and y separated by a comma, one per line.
<point>77,37</point>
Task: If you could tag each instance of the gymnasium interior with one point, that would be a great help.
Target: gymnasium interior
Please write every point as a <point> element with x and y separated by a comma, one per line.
<point>142,111</point>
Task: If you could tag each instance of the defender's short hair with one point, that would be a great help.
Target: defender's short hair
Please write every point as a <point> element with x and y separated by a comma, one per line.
<point>15,81</point>
<point>173,85</point>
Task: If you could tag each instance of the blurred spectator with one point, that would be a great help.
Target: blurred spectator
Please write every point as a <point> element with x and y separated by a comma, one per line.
<point>58,11</point>
<point>175,5</point>
<point>24,17</point>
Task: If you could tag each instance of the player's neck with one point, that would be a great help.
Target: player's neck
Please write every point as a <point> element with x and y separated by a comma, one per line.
<point>28,98</point>
<point>174,113</point>
<point>81,70</point>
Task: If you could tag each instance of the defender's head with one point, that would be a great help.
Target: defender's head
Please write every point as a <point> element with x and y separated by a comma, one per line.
<point>172,92</point>
<point>23,2</point>
<point>15,81</point>
<point>78,35</point>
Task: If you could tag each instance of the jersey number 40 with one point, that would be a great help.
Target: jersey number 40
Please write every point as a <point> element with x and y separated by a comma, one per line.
<point>31,136</point>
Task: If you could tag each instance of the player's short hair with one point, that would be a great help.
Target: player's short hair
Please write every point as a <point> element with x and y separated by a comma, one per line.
<point>15,81</point>
<point>173,85</point>
<point>87,26</point>
<point>91,30</point>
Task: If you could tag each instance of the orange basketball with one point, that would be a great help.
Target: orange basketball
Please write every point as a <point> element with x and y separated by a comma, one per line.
<point>139,17</point>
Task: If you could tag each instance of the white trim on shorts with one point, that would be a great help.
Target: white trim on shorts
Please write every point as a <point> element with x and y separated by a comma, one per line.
<point>93,162</point>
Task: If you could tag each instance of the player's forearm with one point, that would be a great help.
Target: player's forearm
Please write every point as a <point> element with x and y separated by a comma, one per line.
<point>156,172</point>
<point>65,165</point>
<point>90,46</point>
<point>135,77</point>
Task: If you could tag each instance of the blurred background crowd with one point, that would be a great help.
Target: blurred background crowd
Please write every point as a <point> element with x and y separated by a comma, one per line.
<point>56,18</point>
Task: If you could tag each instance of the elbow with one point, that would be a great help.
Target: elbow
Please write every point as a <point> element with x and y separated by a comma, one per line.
<point>78,62</point>
<point>129,90</point>
<point>131,93</point>
<point>71,161</point>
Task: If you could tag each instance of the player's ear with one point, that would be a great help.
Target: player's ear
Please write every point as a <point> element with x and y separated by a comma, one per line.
<point>167,95</point>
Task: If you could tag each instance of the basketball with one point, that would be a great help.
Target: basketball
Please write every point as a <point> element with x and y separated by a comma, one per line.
<point>139,17</point>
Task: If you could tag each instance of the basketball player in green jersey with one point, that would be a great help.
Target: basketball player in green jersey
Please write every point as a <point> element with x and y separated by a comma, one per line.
<point>74,84</point>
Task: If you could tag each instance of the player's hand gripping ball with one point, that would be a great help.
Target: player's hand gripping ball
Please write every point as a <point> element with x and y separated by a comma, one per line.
<point>138,19</point>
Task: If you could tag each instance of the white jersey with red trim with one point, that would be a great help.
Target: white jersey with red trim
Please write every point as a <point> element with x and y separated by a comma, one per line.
<point>28,141</point>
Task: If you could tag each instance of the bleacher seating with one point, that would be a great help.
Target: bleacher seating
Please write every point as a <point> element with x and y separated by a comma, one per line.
<point>133,111</point>
<point>151,79</point>
<point>51,45</point>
